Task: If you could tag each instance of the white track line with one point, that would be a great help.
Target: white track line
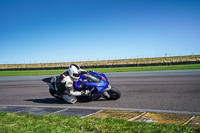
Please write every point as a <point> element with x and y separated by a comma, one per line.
<point>188,121</point>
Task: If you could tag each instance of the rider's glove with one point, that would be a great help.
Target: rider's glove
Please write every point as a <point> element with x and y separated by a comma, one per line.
<point>85,93</point>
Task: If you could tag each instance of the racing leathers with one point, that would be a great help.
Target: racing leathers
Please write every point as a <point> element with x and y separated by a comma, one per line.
<point>64,86</point>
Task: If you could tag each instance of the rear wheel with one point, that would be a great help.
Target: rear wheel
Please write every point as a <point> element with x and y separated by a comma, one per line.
<point>114,94</point>
<point>52,92</point>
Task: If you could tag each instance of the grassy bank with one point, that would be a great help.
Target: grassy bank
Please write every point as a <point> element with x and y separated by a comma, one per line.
<point>107,62</point>
<point>102,70</point>
<point>12,123</point>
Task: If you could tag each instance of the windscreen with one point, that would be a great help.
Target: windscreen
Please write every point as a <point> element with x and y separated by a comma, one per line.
<point>93,78</point>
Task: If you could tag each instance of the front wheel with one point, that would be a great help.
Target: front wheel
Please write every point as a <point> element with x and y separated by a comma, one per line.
<point>113,93</point>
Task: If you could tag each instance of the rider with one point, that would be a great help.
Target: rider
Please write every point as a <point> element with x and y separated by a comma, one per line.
<point>64,84</point>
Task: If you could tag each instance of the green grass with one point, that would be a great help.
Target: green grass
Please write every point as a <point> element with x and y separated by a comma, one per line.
<point>147,68</point>
<point>30,72</point>
<point>13,123</point>
<point>102,70</point>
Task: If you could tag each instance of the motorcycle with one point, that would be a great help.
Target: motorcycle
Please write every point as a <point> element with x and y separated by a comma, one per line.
<point>96,83</point>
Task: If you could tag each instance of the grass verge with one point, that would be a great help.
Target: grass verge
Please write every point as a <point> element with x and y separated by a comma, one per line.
<point>13,123</point>
<point>101,70</point>
<point>157,60</point>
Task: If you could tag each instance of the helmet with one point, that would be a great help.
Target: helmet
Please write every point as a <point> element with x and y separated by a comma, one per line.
<point>74,71</point>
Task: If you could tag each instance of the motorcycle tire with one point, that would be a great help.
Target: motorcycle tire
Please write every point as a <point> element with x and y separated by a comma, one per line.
<point>52,92</point>
<point>114,94</point>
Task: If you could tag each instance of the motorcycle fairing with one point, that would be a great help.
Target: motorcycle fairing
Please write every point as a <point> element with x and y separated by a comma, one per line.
<point>83,80</point>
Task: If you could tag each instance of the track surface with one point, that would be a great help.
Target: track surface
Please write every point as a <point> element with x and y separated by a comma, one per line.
<point>157,90</point>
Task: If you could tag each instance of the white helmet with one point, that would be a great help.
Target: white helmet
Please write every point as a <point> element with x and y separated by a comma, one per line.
<point>74,71</point>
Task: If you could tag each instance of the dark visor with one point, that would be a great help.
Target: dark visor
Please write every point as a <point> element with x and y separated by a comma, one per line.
<point>76,75</point>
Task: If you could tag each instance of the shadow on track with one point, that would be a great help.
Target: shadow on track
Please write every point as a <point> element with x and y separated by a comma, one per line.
<point>47,101</point>
<point>57,101</point>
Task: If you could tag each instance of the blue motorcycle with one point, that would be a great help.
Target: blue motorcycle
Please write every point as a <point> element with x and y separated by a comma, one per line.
<point>96,83</point>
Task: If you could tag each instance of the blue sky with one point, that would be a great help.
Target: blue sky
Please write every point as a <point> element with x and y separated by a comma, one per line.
<point>44,31</point>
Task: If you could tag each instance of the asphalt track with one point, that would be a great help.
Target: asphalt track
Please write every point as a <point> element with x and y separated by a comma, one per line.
<point>153,91</point>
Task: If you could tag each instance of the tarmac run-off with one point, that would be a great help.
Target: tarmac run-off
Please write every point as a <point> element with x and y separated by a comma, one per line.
<point>159,96</point>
